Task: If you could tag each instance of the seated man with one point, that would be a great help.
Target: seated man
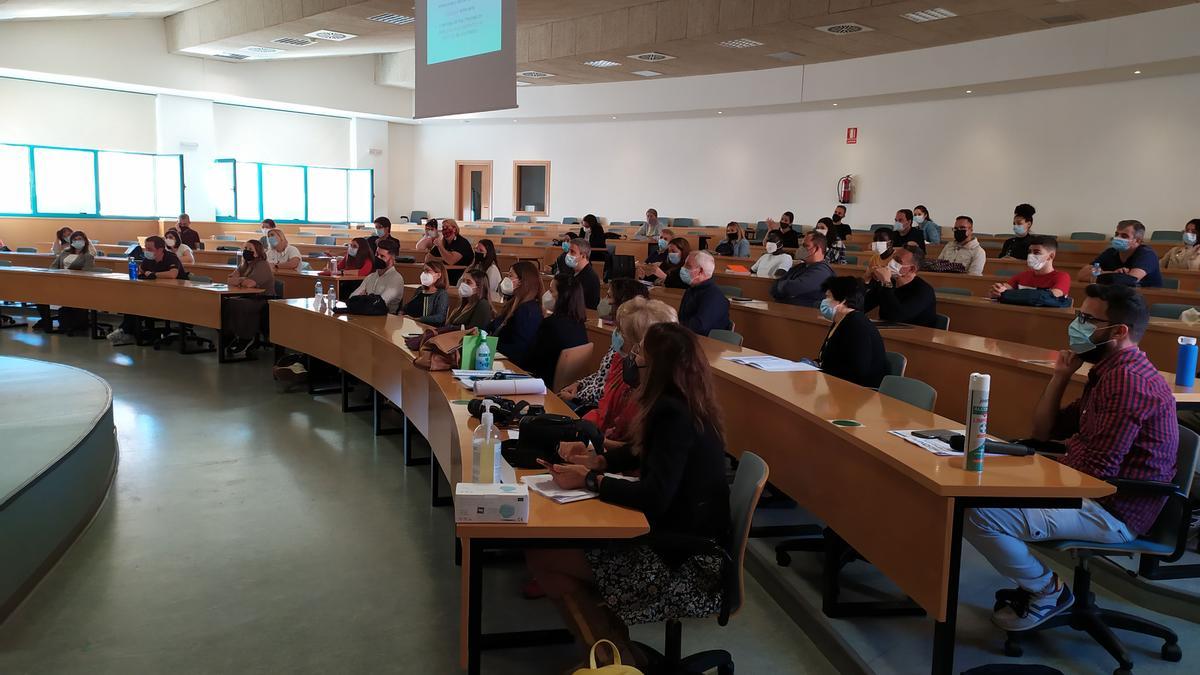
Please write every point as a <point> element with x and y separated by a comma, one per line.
<point>899,293</point>
<point>905,235</point>
<point>703,307</point>
<point>1127,259</point>
<point>577,261</point>
<point>157,263</point>
<point>386,280</point>
<point>965,250</point>
<point>187,236</point>
<point>1123,426</point>
<point>1041,272</point>
<point>383,230</point>
<point>451,247</point>
<point>801,285</point>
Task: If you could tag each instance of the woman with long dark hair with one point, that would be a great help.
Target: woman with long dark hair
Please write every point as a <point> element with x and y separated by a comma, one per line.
<point>474,307</point>
<point>562,329</point>
<point>516,326</point>
<point>359,260</point>
<point>485,261</point>
<point>77,255</point>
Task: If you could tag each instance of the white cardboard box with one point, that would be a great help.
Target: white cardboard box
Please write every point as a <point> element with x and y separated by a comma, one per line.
<point>491,503</point>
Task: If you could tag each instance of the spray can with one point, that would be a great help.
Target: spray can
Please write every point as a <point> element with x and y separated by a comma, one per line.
<point>1185,365</point>
<point>977,410</point>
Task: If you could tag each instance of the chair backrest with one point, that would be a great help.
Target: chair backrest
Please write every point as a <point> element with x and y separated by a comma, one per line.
<point>683,222</point>
<point>730,291</point>
<point>501,220</point>
<point>517,241</point>
<point>880,226</point>
<point>572,221</point>
<point>416,216</point>
<point>723,335</point>
<point>1166,235</point>
<point>992,246</point>
<point>1173,522</point>
<point>1168,310</point>
<point>229,248</point>
<point>495,229</point>
<point>26,249</point>
<point>942,322</point>
<point>912,392</point>
<point>851,260</point>
<point>225,237</point>
<point>231,260</point>
<point>279,288</point>
<point>1066,246</point>
<point>199,278</point>
<point>5,263</point>
<point>572,365</point>
<point>325,241</point>
<point>1170,282</point>
<point>896,363</point>
<point>537,227</point>
<point>126,242</point>
<point>339,226</point>
<point>1088,236</point>
<point>637,223</point>
<point>1005,271</point>
<point>524,219</point>
<point>305,233</point>
<point>747,487</point>
<point>947,290</point>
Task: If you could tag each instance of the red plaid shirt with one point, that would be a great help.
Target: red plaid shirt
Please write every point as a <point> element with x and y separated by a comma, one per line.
<point>1124,426</point>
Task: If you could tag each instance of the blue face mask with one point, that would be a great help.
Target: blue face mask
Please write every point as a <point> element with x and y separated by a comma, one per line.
<point>1079,335</point>
<point>272,242</point>
<point>673,258</point>
<point>570,261</point>
<point>566,246</point>
<point>828,308</point>
<point>147,255</point>
<point>617,341</point>
<point>685,275</point>
<point>662,244</point>
<point>1121,245</point>
<point>352,251</point>
<point>379,232</point>
<point>77,244</point>
<point>1019,230</point>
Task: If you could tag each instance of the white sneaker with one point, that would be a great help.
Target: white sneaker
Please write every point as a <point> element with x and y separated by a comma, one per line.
<point>120,337</point>
<point>114,334</point>
<point>1030,610</point>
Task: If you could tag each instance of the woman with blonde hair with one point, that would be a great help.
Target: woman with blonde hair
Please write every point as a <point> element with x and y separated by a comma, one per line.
<point>280,254</point>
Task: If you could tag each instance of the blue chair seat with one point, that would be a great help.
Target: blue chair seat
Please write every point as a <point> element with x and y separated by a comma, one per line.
<point>1129,547</point>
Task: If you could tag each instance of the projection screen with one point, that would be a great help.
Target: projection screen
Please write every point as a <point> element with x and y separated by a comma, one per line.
<point>466,56</point>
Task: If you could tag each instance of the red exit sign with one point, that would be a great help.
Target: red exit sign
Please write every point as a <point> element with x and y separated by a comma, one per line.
<point>851,135</point>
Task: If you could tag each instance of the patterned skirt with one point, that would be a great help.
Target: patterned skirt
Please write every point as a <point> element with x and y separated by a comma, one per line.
<point>641,587</point>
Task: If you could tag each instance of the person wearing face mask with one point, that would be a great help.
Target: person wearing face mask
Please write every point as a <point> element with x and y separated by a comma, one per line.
<point>474,308</point>
<point>853,349</point>
<point>157,263</point>
<point>385,281</point>
<point>358,261</point>
<point>667,272</point>
<point>431,304</point>
<point>563,327</point>
<point>244,317</point>
<point>517,323</point>
<point>266,226</point>
<point>929,229</point>
<point>1186,256</point>
<point>775,261</point>
<point>835,249</point>
<point>842,228</point>
<point>899,293</point>
<point>1127,261</point>
<point>175,245</point>
<point>704,307</point>
<point>881,250</point>
<point>74,257</point>
<point>578,263</point>
<point>801,285</point>
<point>383,230</point>
<point>585,393</point>
<point>280,254</point>
<point>1123,426</point>
<point>62,241</point>
<point>965,250</point>
<point>451,247</point>
<point>735,243</point>
<point>1041,272</point>
<point>788,236</point>
<point>430,236</point>
<point>485,261</point>
<point>188,236</point>
<point>658,251</point>
<point>905,235</point>
<point>1017,246</point>
<point>652,229</point>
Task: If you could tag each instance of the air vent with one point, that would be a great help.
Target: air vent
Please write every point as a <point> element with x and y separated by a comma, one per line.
<point>647,73</point>
<point>294,41</point>
<point>256,49</point>
<point>533,74</point>
<point>331,35</point>
<point>1065,18</point>
<point>601,63</point>
<point>394,19</point>
<point>233,57</point>
<point>524,84</point>
<point>651,57</point>
<point>786,57</point>
<point>926,15</point>
<point>740,43</point>
<point>844,28</point>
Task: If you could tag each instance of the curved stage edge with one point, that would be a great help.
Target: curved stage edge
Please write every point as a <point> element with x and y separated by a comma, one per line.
<point>60,466</point>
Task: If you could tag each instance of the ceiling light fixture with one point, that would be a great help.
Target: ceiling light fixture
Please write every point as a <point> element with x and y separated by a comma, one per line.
<point>613,117</point>
<point>844,28</point>
<point>647,73</point>
<point>835,105</point>
<point>720,112</point>
<point>534,74</point>
<point>601,63</point>
<point>1137,72</point>
<point>331,35</point>
<point>970,92</point>
<point>926,15</point>
<point>740,43</point>
<point>651,57</point>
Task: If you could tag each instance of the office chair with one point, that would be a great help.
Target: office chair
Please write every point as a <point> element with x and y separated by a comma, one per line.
<point>26,249</point>
<point>225,237</point>
<point>1005,272</point>
<point>1166,541</point>
<point>495,229</point>
<point>730,291</point>
<point>570,221</point>
<point>683,222</point>
<point>851,260</point>
<point>416,216</point>
<point>1168,310</point>
<point>325,241</point>
<point>950,290</point>
<point>304,233</point>
<point>517,241</point>
<point>911,391</point>
<point>942,322</point>
<point>572,365</point>
<point>728,336</point>
<point>1171,283</point>
<point>184,331</point>
<point>897,363</point>
<point>524,219</point>
<point>1088,236</point>
<point>229,248</point>
<point>126,242</point>
<point>1166,235</point>
<point>747,486</point>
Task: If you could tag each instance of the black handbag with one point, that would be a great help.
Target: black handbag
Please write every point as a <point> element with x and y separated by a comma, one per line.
<point>369,305</point>
<point>540,436</point>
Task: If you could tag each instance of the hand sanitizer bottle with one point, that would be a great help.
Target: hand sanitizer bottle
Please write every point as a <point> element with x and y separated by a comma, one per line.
<point>483,355</point>
<point>485,441</point>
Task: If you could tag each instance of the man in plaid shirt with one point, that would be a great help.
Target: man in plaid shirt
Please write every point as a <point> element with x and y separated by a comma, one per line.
<point>1124,426</point>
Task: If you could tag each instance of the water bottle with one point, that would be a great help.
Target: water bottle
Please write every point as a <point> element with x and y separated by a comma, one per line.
<point>133,268</point>
<point>319,297</point>
<point>483,355</point>
<point>1185,364</point>
<point>331,296</point>
<point>1095,271</point>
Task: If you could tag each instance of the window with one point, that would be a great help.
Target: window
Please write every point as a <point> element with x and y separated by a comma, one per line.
<point>361,197</point>
<point>168,185</point>
<point>14,180</point>
<point>283,192</point>
<point>221,189</point>
<point>327,195</point>
<point>65,181</point>
<point>531,188</point>
<point>251,191</point>
<point>127,184</point>
<point>246,184</point>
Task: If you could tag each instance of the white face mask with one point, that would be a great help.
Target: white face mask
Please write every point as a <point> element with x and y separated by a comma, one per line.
<point>1189,238</point>
<point>506,286</point>
<point>426,279</point>
<point>548,301</point>
<point>919,219</point>
<point>823,230</point>
<point>772,247</point>
<point>895,267</point>
<point>1036,262</point>
<point>879,246</point>
<point>465,290</point>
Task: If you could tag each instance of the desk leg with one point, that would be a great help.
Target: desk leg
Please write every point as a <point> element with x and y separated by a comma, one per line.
<point>409,460</point>
<point>346,387</point>
<point>378,406</point>
<point>944,631</point>
<point>474,570</point>
<point>435,483</point>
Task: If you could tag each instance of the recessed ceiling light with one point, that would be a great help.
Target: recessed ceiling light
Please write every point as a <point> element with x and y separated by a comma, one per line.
<point>935,14</point>
<point>647,73</point>
<point>533,74</point>
<point>970,92</point>
<point>614,117</point>
<point>835,105</point>
<point>844,28</point>
<point>720,112</point>
<point>740,43</point>
<point>1137,72</point>
<point>394,19</point>
<point>651,57</point>
<point>331,35</point>
<point>601,63</point>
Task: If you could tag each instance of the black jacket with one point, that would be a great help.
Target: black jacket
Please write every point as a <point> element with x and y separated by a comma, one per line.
<point>854,351</point>
<point>554,334</point>
<point>703,308</point>
<point>914,302</point>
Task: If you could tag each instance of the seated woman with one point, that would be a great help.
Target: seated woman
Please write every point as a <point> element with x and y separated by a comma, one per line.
<point>432,303</point>
<point>1187,255</point>
<point>358,261</point>
<point>679,453</point>
<point>516,325</point>
<point>280,254</point>
<point>243,316</point>
<point>75,256</point>
<point>735,244</point>
<point>658,254</point>
<point>474,308</point>
<point>853,349</point>
<point>62,241</point>
<point>485,260</point>
<point>586,392</point>
<point>775,261</point>
<point>667,272</point>
<point>175,245</point>
<point>564,328</point>
<point>881,250</point>
<point>835,248</point>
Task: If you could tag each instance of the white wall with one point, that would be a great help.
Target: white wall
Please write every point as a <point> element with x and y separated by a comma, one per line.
<point>1084,156</point>
<point>369,150</point>
<point>56,114</point>
<point>259,135</point>
<point>404,165</point>
<point>185,126</point>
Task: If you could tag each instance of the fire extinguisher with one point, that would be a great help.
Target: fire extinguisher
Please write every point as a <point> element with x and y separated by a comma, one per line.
<point>845,189</point>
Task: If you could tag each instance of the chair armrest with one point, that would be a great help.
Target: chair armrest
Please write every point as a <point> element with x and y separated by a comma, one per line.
<point>1044,447</point>
<point>1148,488</point>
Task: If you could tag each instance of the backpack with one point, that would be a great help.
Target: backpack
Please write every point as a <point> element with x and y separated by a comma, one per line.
<point>1033,297</point>
<point>369,304</point>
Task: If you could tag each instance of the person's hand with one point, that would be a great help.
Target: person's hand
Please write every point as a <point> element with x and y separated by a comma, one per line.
<point>574,452</point>
<point>771,224</point>
<point>569,392</point>
<point>1067,363</point>
<point>882,274</point>
<point>566,476</point>
<point>998,288</point>
<point>1121,270</point>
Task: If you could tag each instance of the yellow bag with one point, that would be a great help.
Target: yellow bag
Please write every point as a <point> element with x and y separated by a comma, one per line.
<point>615,669</point>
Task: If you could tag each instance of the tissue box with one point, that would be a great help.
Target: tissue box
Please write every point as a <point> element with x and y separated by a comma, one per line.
<point>491,503</point>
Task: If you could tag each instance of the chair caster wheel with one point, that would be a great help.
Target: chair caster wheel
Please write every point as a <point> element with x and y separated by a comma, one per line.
<point>1172,652</point>
<point>782,558</point>
<point>1013,649</point>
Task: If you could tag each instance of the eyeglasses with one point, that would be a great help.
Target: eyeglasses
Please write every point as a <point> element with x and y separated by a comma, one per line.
<point>1084,317</point>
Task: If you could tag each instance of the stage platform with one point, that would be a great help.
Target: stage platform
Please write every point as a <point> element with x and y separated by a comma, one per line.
<point>58,455</point>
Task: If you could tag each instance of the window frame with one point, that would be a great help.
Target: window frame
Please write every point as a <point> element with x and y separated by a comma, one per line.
<point>517,205</point>
<point>237,217</point>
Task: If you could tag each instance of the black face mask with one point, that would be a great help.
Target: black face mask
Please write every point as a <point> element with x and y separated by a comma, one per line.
<point>960,236</point>
<point>248,256</point>
<point>629,371</point>
<point>731,236</point>
<point>837,218</point>
<point>380,263</point>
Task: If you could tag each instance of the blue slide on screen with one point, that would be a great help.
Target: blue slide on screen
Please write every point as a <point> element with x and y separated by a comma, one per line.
<point>457,29</point>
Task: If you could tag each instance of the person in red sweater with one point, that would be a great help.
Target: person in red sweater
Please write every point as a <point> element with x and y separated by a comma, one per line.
<point>1041,272</point>
<point>357,262</point>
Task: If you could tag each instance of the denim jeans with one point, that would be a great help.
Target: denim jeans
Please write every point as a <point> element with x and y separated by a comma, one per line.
<point>1001,536</point>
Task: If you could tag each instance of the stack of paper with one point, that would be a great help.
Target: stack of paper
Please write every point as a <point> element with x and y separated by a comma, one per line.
<point>543,484</point>
<point>771,364</point>
<point>937,447</point>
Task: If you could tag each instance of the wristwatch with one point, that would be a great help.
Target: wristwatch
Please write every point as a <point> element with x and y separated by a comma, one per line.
<point>591,481</point>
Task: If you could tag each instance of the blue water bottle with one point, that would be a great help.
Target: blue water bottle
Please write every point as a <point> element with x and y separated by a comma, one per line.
<point>132,268</point>
<point>1185,364</point>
